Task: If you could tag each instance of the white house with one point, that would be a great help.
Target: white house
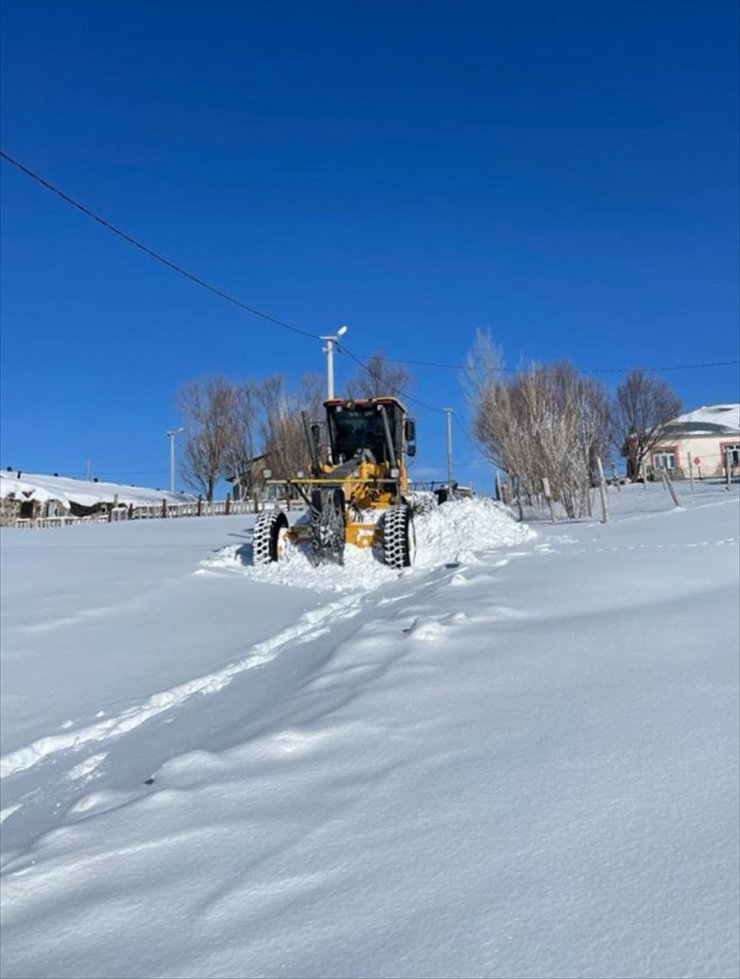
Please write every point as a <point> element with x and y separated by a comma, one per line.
<point>707,440</point>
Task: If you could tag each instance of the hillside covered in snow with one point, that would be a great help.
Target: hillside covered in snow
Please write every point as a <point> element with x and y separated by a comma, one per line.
<point>517,758</point>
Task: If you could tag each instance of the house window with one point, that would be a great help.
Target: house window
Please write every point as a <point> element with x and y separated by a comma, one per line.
<point>665,459</point>
<point>731,453</point>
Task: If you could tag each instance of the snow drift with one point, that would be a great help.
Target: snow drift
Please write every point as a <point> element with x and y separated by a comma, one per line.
<point>449,533</point>
<point>520,760</point>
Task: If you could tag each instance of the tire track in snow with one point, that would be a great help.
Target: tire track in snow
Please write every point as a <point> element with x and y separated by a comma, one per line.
<point>444,536</point>
<point>309,626</point>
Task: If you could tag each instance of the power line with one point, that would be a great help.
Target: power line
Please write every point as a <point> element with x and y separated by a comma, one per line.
<point>592,370</point>
<point>176,268</point>
<point>295,329</point>
<point>149,251</point>
<point>468,436</point>
<point>397,391</point>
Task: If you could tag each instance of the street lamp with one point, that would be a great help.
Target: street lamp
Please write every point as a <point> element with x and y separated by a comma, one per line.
<point>329,351</point>
<point>171,435</point>
<point>449,452</point>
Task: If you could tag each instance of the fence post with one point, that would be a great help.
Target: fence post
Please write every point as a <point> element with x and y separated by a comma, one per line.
<point>668,483</point>
<point>691,473</point>
<point>602,491</point>
<point>164,506</point>
<point>228,503</point>
<point>130,511</point>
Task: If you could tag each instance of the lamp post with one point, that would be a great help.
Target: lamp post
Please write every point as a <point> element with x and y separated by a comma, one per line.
<point>329,351</point>
<point>449,452</point>
<point>171,435</point>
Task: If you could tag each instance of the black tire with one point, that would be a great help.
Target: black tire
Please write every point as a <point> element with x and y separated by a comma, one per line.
<point>267,536</point>
<point>398,537</point>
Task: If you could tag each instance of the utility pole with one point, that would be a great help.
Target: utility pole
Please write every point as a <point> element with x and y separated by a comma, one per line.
<point>171,435</point>
<point>449,452</point>
<point>331,342</point>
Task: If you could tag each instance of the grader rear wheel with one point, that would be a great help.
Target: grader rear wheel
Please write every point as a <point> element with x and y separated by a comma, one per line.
<point>269,536</point>
<point>399,539</point>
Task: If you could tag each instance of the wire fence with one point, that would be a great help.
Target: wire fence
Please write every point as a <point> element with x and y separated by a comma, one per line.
<point>153,511</point>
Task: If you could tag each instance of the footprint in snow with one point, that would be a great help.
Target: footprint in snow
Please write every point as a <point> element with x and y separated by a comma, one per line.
<point>429,631</point>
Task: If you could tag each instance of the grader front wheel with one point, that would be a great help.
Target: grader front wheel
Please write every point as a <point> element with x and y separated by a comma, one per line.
<point>269,536</point>
<point>398,537</point>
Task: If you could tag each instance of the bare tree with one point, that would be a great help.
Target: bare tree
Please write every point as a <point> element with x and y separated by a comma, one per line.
<point>283,433</point>
<point>241,445</point>
<point>207,407</point>
<point>644,404</point>
<point>379,377</point>
<point>546,422</point>
<point>484,365</point>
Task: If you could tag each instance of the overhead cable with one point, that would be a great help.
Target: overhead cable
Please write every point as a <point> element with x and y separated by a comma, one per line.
<point>591,370</point>
<point>307,333</point>
<point>391,390</point>
<point>149,251</point>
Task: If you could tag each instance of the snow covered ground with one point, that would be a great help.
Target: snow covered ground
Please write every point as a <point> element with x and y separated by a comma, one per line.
<point>519,758</point>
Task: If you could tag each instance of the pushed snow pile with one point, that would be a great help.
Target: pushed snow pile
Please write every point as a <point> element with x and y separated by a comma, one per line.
<point>362,569</point>
<point>454,531</point>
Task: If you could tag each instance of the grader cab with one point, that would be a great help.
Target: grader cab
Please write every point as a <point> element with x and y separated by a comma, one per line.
<point>358,494</point>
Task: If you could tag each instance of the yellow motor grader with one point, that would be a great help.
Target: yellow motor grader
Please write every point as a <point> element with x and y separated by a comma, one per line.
<point>359,494</point>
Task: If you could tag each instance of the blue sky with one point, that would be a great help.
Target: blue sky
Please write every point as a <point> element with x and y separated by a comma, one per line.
<point>563,174</point>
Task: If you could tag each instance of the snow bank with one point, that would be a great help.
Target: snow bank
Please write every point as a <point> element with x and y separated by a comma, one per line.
<point>457,530</point>
<point>82,492</point>
<point>523,766</point>
<point>517,767</point>
<point>453,532</point>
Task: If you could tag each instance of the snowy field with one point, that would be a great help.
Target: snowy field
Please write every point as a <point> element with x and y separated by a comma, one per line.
<point>519,758</point>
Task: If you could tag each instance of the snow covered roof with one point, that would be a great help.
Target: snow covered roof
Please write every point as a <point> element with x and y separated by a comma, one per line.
<point>79,491</point>
<point>708,420</point>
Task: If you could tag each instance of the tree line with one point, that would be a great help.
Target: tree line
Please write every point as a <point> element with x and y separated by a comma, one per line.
<point>550,422</point>
<point>543,422</point>
<point>235,429</point>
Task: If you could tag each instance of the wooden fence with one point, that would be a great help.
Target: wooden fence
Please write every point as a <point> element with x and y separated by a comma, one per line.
<point>159,511</point>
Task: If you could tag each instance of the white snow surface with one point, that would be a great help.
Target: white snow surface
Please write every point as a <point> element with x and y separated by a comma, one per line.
<point>32,486</point>
<point>444,535</point>
<point>517,758</point>
<point>728,416</point>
